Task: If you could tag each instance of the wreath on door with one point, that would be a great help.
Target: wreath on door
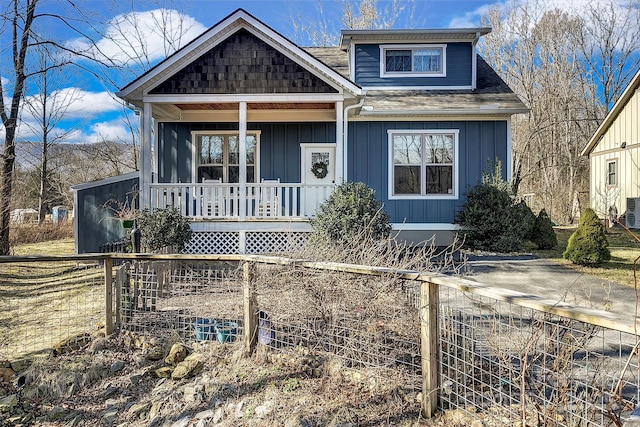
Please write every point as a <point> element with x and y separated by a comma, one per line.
<point>320,169</point>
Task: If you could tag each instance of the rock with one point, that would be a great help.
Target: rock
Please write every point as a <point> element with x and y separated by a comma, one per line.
<point>116,366</point>
<point>98,344</point>
<point>191,394</point>
<point>154,411</point>
<point>186,369</point>
<point>477,423</point>
<point>135,379</point>
<point>154,353</point>
<point>8,403</point>
<point>164,372</point>
<point>204,414</point>
<point>109,392</point>
<point>109,417</point>
<point>20,365</point>
<point>71,344</point>
<point>6,374</point>
<point>218,416</point>
<point>177,354</point>
<point>56,413</point>
<point>262,411</point>
<point>239,413</point>
<point>183,422</point>
<point>156,421</point>
<point>75,421</point>
<point>140,408</point>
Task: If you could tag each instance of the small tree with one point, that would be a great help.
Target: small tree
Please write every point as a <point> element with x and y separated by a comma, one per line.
<point>492,221</point>
<point>163,228</point>
<point>588,244</point>
<point>542,234</point>
<point>349,215</point>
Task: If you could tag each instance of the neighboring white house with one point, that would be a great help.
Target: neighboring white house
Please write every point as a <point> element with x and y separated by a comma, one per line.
<point>614,159</point>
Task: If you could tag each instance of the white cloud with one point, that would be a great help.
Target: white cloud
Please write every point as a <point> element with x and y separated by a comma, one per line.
<point>114,130</point>
<point>74,103</point>
<point>575,7</point>
<point>143,37</point>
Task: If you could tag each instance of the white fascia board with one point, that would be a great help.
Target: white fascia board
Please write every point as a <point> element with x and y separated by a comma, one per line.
<point>612,115</point>
<point>217,33</point>
<point>105,181</point>
<point>501,112</point>
<point>223,98</point>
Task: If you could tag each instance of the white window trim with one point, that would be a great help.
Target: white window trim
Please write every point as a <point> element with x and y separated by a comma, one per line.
<point>194,149</point>
<point>390,177</point>
<point>385,73</point>
<point>615,162</point>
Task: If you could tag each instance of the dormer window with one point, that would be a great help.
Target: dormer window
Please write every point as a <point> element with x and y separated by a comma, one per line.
<point>413,60</point>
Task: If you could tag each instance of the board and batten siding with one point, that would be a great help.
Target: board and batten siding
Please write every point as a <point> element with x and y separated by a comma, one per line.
<point>480,143</point>
<point>367,68</point>
<point>279,147</point>
<point>624,129</point>
<point>95,225</point>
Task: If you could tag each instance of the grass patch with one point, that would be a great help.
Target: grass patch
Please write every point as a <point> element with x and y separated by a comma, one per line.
<point>624,251</point>
<point>52,247</point>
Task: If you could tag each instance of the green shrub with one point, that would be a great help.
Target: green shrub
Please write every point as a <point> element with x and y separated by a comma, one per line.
<point>351,214</point>
<point>163,228</point>
<point>542,234</point>
<point>588,244</point>
<point>492,221</point>
<point>525,216</point>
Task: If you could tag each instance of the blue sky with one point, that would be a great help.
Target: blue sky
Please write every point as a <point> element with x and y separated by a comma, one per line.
<point>92,114</point>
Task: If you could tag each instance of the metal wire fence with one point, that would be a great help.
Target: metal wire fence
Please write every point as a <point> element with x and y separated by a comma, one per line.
<point>486,352</point>
<point>48,304</point>
<point>534,367</point>
<point>185,299</point>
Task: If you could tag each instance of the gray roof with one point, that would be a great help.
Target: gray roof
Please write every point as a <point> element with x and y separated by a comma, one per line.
<point>492,96</point>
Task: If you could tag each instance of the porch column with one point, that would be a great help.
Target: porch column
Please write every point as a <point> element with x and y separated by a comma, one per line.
<point>146,122</point>
<point>340,144</point>
<point>242,148</point>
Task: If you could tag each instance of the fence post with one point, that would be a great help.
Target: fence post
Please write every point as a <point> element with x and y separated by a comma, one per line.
<point>108,295</point>
<point>250,307</point>
<point>430,339</point>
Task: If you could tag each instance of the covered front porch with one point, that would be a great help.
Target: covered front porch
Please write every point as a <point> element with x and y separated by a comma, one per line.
<point>241,202</point>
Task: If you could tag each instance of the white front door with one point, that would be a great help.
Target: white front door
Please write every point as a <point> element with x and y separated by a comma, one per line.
<point>318,175</point>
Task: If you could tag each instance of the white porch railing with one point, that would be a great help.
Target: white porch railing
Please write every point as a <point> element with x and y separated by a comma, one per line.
<point>234,201</point>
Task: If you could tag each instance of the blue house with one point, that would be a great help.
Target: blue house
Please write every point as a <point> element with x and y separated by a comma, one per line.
<point>247,133</point>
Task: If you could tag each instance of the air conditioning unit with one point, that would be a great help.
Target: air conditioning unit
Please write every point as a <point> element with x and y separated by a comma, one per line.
<point>632,216</point>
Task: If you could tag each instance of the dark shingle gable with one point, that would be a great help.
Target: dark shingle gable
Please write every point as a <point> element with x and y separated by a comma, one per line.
<point>243,64</point>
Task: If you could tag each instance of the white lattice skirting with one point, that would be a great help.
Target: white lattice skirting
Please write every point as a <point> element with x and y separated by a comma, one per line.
<point>249,242</point>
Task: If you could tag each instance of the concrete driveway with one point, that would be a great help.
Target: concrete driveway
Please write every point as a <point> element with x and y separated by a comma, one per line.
<point>532,275</point>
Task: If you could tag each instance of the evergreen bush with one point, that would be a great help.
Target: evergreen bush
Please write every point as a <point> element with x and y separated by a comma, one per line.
<point>543,234</point>
<point>163,228</point>
<point>588,244</point>
<point>492,221</point>
<point>350,215</point>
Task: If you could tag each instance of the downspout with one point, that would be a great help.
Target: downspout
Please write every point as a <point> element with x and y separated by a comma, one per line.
<point>345,135</point>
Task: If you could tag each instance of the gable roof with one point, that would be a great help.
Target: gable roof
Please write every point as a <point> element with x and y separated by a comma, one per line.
<point>240,19</point>
<point>347,37</point>
<point>633,85</point>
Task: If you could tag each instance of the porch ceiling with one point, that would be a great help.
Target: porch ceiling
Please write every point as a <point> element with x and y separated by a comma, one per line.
<point>258,106</point>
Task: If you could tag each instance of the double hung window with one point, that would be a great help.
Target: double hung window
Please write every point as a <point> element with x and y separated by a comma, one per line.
<point>423,163</point>
<point>612,173</point>
<point>218,157</point>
